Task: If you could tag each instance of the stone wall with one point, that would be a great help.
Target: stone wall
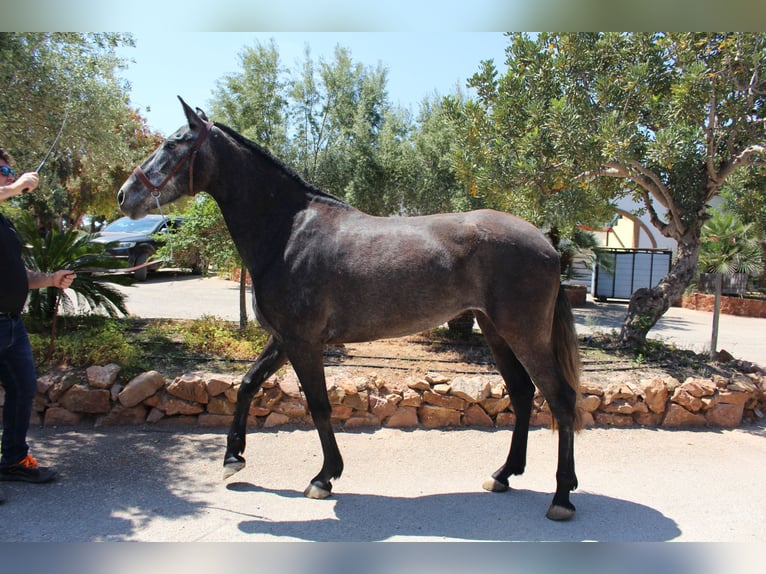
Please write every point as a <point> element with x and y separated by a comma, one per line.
<point>729,305</point>
<point>98,397</point>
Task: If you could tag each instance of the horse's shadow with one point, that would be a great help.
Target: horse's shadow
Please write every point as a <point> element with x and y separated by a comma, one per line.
<point>518,515</point>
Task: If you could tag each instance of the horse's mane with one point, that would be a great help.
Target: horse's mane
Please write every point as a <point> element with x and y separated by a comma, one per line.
<point>311,190</point>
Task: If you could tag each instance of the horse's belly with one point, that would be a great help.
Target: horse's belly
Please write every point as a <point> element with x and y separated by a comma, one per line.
<point>388,317</point>
<point>360,334</point>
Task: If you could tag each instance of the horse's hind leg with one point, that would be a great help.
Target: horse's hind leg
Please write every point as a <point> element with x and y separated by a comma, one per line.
<point>521,391</point>
<point>562,399</point>
<point>307,361</point>
<point>268,362</point>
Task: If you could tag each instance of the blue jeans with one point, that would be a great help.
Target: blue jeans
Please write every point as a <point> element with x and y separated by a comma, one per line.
<point>18,377</point>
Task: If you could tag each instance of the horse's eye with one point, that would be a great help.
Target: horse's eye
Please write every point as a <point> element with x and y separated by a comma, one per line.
<point>170,144</point>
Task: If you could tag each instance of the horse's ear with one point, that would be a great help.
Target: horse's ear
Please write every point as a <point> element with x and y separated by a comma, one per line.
<point>191,116</point>
<point>202,114</point>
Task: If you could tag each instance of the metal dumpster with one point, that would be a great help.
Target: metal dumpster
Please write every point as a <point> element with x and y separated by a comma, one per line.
<point>621,272</point>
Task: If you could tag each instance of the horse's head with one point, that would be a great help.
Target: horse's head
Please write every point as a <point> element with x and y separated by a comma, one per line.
<point>169,171</point>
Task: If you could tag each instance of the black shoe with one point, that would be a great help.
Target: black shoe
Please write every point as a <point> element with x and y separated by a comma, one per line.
<point>27,470</point>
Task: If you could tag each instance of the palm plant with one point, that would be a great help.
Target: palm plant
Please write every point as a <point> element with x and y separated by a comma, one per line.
<point>72,250</point>
<point>727,247</point>
<point>581,242</point>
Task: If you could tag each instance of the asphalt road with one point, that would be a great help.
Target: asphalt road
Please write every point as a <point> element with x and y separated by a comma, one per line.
<point>153,484</point>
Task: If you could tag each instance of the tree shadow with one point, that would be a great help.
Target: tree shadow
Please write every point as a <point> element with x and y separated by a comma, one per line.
<point>110,486</point>
<point>600,316</point>
<point>517,515</point>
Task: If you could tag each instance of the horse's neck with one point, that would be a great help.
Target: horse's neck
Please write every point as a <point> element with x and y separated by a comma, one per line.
<point>260,220</point>
<point>260,203</point>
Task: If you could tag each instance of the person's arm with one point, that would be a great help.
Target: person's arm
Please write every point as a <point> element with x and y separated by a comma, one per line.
<point>27,181</point>
<point>61,279</point>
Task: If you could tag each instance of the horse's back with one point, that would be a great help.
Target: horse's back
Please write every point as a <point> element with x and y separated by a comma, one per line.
<point>453,231</point>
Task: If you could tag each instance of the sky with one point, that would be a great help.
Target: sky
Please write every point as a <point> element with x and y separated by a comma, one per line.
<point>419,64</point>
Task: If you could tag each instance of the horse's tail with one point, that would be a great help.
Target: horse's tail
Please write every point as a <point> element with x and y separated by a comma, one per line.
<point>567,350</point>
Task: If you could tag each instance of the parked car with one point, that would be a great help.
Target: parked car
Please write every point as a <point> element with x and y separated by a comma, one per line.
<point>135,240</point>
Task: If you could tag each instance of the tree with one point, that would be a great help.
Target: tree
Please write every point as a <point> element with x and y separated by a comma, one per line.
<point>252,101</point>
<point>580,120</point>
<point>435,143</point>
<point>728,246</point>
<point>746,196</point>
<point>68,83</point>
<point>361,144</point>
<point>203,236</point>
<point>339,109</point>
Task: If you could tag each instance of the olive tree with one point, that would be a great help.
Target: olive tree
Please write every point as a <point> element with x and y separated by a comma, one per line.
<point>67,86</point>
<point>580,120</point>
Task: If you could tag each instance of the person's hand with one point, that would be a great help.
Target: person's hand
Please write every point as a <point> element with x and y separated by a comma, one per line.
<point>63,279</point>
<point>26,182</point>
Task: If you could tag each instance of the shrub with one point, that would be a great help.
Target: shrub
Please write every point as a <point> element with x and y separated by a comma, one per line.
<point>83,341</point>
<point>215,336</point>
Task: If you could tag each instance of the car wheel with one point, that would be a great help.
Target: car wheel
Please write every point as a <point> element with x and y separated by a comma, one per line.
<point>140,274</point>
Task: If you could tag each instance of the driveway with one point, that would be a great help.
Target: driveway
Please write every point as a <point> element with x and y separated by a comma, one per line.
<point>159,484</point>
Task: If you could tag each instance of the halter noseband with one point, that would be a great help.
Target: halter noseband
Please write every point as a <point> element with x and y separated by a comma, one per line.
<point>191,154</point>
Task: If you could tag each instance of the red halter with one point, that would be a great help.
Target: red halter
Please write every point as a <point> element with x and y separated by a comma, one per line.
<point>191,154</point>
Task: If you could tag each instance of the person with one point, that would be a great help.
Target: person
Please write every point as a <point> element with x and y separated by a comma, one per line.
<point>17,367</point>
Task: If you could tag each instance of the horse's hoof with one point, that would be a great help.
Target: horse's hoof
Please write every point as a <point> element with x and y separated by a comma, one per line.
<point>559,513</point>
<point>317,492</point>
<point>232,465</point>
<point>494,485</point>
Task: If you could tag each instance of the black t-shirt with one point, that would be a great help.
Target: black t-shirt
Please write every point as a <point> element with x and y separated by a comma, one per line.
<point>14,285</point>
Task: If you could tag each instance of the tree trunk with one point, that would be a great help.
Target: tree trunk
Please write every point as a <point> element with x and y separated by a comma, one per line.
<point>716,315</point>
<point>648,305</point>
<point>242,298</point>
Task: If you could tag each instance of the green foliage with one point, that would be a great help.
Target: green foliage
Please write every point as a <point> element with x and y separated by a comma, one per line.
<point>56,250</point>
<point>332,120</point>
<point>83,341</point>
<point>516,140</point>
<point>580,119</point>
<point>437,187</point>
<point>729,246</point>
<point>213,336</point>
<point>86,340</point>
<point>252,101</point>
<point>69,81</point>
<point>746,196</point>
<point>581,242</point>
<point>203,235</point>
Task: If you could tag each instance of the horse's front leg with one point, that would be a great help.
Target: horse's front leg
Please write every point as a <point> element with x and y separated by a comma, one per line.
<point>307,361</point>
<point>268,362</point>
